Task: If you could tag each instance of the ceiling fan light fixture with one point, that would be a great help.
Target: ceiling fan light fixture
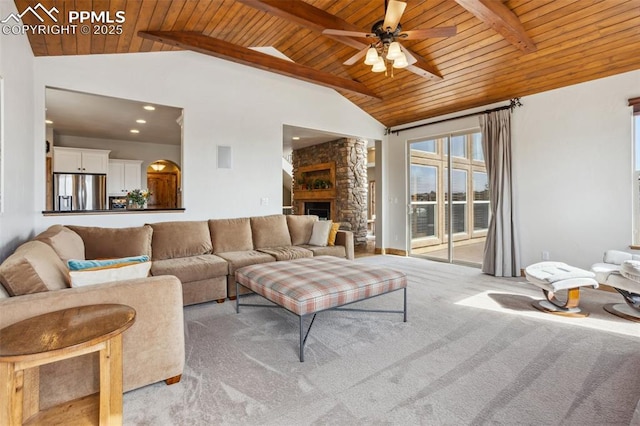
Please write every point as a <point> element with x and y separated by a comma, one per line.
<point>394,51</point>
<point>379,66</point>
<point>401,61</point>
<point>372,56</point>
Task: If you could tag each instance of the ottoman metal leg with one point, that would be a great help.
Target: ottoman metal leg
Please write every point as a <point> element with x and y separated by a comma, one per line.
<point>554,306</point>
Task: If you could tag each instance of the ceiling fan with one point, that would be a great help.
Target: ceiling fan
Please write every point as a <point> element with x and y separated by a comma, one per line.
<point>385,49</point>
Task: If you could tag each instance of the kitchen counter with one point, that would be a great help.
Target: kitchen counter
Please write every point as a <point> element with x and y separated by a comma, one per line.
<point>113,211</point>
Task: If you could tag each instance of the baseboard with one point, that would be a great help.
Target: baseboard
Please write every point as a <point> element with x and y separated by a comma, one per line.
<point>396,252</point>
<point>379,250</point>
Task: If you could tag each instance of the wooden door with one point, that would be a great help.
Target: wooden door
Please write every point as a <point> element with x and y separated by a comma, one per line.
<point>163,187</point>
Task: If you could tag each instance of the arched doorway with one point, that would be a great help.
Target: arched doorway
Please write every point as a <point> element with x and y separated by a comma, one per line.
<point>163,180</point>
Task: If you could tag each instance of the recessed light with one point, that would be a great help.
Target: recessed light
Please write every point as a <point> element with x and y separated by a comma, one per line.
<point>296,138</point>
<point>134,131</point>
<point>48,121</point>
<point>149,107</point>
<point>141,121</point>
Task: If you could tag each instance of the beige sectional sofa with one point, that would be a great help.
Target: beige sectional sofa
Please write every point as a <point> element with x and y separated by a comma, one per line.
<point>191,262</point>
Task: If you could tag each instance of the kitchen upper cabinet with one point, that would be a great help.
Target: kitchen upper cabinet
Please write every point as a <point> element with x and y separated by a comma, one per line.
<point>80,160</point>
<point>123,176</point>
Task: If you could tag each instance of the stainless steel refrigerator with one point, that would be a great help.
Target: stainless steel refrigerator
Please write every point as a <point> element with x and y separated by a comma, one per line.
<point>73,191</point>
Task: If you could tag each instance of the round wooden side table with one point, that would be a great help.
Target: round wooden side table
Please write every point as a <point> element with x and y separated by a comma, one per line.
<point>51,337</point>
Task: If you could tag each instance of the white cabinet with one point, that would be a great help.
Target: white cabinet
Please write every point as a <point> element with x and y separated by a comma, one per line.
<point>123,176</point>
<point>80,160</point>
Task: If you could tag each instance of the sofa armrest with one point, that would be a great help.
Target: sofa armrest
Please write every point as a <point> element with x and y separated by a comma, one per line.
<point>153,348</point>
<point>345,238</point>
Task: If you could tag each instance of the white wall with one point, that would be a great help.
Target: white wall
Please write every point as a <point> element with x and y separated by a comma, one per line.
<point>573,158</point>
<point>18,149</point>
<point>572,165</point>
<point>224,104</point>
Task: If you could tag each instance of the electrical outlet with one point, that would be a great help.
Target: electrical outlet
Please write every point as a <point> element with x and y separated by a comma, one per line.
<point>264,201</point>
<point>545,255</point>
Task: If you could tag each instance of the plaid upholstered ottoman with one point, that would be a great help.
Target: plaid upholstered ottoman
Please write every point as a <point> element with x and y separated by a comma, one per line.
<point>307,286</point>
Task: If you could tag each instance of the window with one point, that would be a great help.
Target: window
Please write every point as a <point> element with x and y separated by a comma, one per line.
<point>480,201</point>
<point>458,146</point>
<point>459,201</point>
<point>476,147</point>
<point>636,180</point>
<point>424,197</point>
<point>429,191</point>
<point>635,104</point>
<point>428,146</point>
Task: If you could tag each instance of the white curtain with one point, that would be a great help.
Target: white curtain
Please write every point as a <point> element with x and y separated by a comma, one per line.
<point>501,252</point>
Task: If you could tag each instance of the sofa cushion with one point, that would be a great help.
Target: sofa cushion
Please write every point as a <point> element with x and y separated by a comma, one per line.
<point>287,252</point>
<point>110,273</point>
<point>270,231</point>
<point>230,235</point>
<point>338,251</point>
<point>238,259</point>
<point>300,228</point>
<point>180,239</point>
<point>33,268</point>
<point>104,243</point>
<point>320,233</point>
<point>192,268</point>
<point>65,242</point>
<point>631,269</point>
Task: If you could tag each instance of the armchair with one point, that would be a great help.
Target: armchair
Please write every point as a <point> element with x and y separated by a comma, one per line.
<point>621,270</point>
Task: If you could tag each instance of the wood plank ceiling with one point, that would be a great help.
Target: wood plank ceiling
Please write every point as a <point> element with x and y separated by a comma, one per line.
<point>574,41</point>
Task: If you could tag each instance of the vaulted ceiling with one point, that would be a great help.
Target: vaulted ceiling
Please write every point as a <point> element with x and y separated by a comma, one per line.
<point>501,50</point>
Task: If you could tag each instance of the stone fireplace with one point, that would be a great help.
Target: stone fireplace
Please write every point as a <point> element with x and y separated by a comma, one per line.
<point>331,179</point>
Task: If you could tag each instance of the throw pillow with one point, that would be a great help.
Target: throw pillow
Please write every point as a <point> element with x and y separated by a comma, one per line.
<point>67,243</point>
<point>320,233</point>
<point>105,274</point>
<point>332,234</point>
<point>78,265</point>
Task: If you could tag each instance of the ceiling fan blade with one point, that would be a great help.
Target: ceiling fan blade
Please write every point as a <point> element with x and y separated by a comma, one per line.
<point>395,9</point>
<point>347,33</point>
<point>410,58</point>
<point>428,33</point>
<point>418,65</point>
<point>355,58</point>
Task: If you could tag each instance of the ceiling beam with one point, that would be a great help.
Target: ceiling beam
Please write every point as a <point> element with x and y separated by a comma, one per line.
<point>307,16</point>
<point>200,43</point>
<point>499,17</point>
<point>315,19</point>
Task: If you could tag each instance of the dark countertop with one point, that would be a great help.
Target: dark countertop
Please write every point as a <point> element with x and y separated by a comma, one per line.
<point>113,211</point>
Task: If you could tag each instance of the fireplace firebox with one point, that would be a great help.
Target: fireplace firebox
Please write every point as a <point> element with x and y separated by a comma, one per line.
<point>322,209</point>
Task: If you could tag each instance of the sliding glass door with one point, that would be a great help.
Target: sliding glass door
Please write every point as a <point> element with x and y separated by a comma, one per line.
<point>449,210</point>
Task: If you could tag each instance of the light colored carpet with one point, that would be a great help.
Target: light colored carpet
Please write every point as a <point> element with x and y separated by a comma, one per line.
<point>473,352</point>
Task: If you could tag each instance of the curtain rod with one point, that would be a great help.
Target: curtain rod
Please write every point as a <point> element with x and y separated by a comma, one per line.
<point>513,103</point>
